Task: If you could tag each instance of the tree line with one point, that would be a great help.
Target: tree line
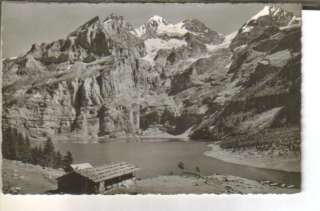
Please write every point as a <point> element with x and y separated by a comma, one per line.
<point>16,146</point>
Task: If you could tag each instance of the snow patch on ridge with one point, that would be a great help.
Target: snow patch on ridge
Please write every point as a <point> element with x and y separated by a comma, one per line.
<point>155,44</point>
<point>264,12</point>
<point>91,33</point>
<point>37,95</point>
<point>172,29</point>
<point>108,25</point>
<point>162,27</point>
<point>10,58</point>
<point>225,44</point>
<point>247,29</point>
<point>158,19</point>
<point>139,31</point>
<point>295,20</point>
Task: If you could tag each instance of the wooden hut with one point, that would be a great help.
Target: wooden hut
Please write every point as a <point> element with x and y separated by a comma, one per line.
<point>87,179</point>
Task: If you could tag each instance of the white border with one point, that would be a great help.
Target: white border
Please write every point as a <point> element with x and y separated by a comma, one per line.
<point>307,200</point>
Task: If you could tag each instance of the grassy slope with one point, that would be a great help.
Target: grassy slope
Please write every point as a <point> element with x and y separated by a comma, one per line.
<point>35,179</point>
<point>28,178</point>
<point>217,184</point>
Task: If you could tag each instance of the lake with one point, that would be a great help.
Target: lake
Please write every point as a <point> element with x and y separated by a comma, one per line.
<point>162,158</point>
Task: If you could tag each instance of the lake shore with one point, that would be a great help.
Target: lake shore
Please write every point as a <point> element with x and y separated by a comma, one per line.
<point>158,134</point>
<point>22,178</point>
<point>152,134</point>
<point>187,184</point>
<point>290,163</point>
<point>163,137</point>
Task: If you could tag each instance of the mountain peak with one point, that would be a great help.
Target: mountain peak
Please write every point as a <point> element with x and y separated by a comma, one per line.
<point>274,11</point>
<point>158,27</point>
<point>92,23</point>
<point>268,20</point>
<point>114,17</point>
<point>269,16</point>
<point>93,20</point>
<point>264,12</point>
<point>113,24</point>
<point>270,10</point>
<point>157,19</point>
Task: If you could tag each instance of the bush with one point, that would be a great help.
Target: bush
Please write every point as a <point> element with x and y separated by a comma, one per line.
<point>181,165</point>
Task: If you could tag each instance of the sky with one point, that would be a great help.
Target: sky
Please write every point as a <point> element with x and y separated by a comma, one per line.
<point>26,23</point>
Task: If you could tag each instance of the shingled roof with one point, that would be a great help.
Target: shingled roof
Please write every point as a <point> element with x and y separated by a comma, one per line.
<point>108,171</point>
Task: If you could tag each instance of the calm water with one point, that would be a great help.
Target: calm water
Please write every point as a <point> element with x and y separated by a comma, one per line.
<point>162,158</point>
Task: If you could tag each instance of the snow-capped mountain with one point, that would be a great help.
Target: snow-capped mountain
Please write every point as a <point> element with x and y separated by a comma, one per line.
<point>157,26</point>
<point>265,23</point>
<point>185,36</point>
<point>107,78</point>
<point>280,17</point>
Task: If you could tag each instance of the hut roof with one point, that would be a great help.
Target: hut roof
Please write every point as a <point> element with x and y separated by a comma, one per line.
<point>108,171</point>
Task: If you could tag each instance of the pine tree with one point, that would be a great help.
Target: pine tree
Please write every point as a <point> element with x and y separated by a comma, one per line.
<point>35,155</point>
<point>58,160</point>
<point>198,169</point>
<point>25,149</point>
<point>167,116</point>
<point>49,153</point>
<point>6,144</point>
<point>16,146</point>
<point>12,144</point>
<point>67,161</point>
<point>181,165</point>
<point>41,158</point>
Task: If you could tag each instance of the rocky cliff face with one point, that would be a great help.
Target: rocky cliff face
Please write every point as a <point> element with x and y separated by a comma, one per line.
<point>266,75</point>
<point>107,78</point>
<point>84,84</point>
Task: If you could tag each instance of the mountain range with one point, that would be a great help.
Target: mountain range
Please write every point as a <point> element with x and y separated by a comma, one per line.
<point>109,79</point>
